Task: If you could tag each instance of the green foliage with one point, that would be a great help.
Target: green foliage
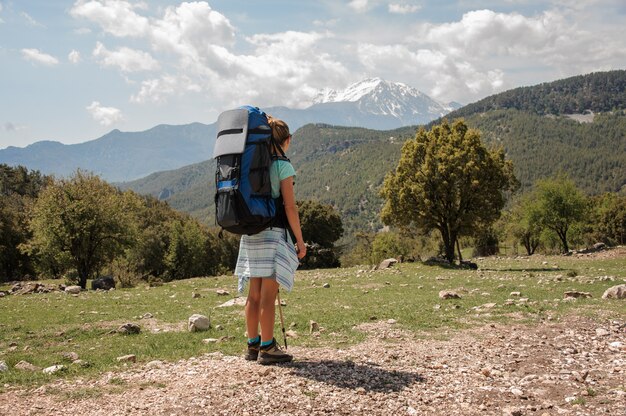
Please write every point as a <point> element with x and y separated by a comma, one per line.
<point>320,223</point>
<point>18,188</point>
<point>523,223</point>
<point>85,220</point>
<point>321,228</point>
<point>389,244</point>
<point>560,205</point>
<point>485,242</point>
<point>447,180</point>
<point>609,219</point>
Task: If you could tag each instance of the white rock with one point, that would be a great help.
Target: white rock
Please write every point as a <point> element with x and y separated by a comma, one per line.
<point>130,358</point>
<point>615,292</point>
<point>154,364</point>
<point>601,332</point>
<point>3,367</point>
<point>240,301</point>
<point>210,340</point>
<point>73,290</point>
<point>198,322</point>
<point>53,369</point>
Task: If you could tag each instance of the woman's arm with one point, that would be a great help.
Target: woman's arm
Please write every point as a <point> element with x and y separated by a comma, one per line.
<point>291,209</point>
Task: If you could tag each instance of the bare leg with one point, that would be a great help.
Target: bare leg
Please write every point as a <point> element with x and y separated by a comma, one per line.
<point>253,307</point>
<point>269,288</point>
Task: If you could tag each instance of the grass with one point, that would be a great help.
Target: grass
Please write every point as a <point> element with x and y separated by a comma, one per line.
<point>41,327</point>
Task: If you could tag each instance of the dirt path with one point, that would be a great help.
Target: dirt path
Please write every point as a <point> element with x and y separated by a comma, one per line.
<point>574,367</point>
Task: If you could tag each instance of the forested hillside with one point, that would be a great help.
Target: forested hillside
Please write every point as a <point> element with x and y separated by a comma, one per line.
<point>596,92</point>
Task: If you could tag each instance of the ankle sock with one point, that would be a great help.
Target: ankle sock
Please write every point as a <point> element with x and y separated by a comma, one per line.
<point>266,343</point>
<point>254,340</point>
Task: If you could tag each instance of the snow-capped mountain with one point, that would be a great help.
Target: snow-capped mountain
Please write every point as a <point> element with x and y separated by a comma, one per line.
<point>372,103</point>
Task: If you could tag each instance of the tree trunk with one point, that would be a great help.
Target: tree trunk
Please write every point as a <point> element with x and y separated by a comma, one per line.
<point>448,244</point>
<point>563,237</point>
<point>458,249</point>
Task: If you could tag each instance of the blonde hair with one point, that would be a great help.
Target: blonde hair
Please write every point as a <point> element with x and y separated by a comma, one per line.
<point>280,129</point>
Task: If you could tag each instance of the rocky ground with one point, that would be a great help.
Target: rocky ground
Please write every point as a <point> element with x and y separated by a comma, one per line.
<point>573,367</point>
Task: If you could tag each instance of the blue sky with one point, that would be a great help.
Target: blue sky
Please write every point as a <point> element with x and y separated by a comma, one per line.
<point>73,70</point>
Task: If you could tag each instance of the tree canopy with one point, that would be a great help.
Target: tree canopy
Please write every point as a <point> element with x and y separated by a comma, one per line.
<point>83,222</point>
<point>447,180</point>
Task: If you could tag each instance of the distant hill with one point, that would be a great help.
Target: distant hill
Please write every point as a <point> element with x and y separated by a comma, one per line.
<point>119,156</point>
<point>345,166</point>
<point>124,156</point>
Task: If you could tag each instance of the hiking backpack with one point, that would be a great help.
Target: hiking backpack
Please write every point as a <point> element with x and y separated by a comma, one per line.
<point>243,151</point>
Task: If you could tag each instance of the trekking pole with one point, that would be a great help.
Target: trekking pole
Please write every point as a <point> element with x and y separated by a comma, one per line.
<point>282,321</point>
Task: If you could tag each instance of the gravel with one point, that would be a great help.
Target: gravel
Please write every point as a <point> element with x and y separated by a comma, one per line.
<point>546,369</point>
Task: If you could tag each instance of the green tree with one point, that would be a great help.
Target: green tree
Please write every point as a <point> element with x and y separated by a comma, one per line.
<point>524,223</point>
<point>447,180</point>
<point>321,227</point>
<point>83,220</point>
<point>18,189</point>
<point>389,244</point>
<point>186,256</point>
<point>560,204</point>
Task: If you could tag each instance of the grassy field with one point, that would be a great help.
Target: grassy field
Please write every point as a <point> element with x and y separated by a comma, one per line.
<point>40,328</point>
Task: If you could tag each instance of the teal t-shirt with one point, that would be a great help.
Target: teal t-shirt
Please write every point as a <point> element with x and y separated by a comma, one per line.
<point>280,169</point>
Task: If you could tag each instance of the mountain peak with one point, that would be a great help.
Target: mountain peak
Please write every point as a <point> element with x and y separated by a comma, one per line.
<point>380,97</point>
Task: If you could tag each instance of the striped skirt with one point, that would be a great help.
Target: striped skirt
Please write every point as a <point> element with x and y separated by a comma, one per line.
<point>270,253</point>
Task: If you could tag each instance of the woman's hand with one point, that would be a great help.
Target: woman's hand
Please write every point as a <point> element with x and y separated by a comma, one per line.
<point>301,249</point>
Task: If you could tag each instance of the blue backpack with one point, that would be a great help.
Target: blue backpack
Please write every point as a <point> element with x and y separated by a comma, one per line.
<point>243,151</point>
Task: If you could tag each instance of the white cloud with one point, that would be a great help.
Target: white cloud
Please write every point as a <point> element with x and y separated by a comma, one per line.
<point>126,59</point>
<point>403,8</point>
<point>74,56</point>
<point>31,21</point>
<point>439,75</point>
<point>1,21</point>
<point>104,115</point>
<point>12,127</point>
<point>485,32</point>
<point>359,5</point>
<point>36,56</point>
<point>116,17</point>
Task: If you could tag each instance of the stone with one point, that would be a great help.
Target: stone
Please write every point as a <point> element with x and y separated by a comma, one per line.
<point>70,356</point>
<point>128,329</point>
<point>73,290</point>
<point>198,322</point>
<point>210,340</point>
<point>155,364</point>
<point>54,369</point>
<point>313,327</point>
<point>103,283</point>
<point>448,294</point>
<point>195,295</point>
<point>2,294</point>
<point>222,292</point>
<point>81,363</point>
<point>576,294</point>
<point>392,321</point>
<point>601,332</point>
<point>326,285</point>
<point>3,367</point>
<point>25,365</point>
<point>132,358</point>
<point>518,294</point>
<point>147,315</point>
<point>291,334</point>
<point>387,263</point>
<point>240,301</point>
<point>615,292</point>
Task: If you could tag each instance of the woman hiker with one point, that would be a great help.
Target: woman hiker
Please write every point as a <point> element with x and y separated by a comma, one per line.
<point>269,259</point>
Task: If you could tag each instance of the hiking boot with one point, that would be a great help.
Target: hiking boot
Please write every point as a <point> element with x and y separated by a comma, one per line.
<point>253,350</point>
<point>272,354</point>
